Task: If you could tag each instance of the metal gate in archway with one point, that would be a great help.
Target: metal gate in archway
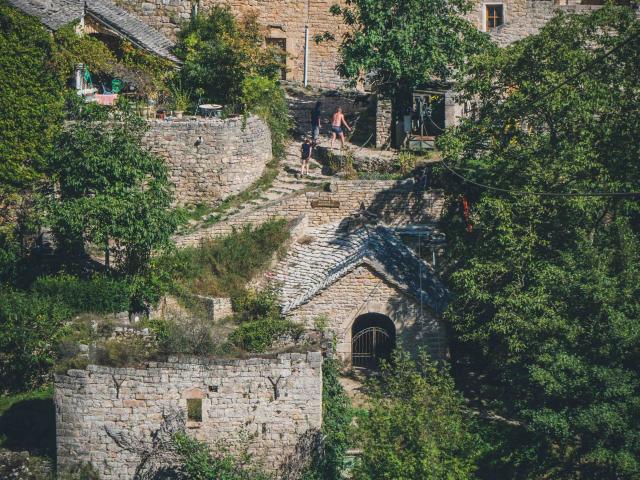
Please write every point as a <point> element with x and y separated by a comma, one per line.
<point>369,346</point>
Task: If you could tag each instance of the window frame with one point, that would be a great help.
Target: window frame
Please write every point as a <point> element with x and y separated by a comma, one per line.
<point>485,15</point>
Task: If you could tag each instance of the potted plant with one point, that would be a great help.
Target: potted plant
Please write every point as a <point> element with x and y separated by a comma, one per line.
<point>180,99</point>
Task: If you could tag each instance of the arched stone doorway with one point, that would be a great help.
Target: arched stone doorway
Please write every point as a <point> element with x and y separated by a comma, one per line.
<point>373,338</point>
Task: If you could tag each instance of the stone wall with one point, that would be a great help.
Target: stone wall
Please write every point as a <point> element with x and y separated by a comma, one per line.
<point>211,159</point>
<point>121,419</point>
<point>282,19</point>
<point>392,201</point>
<point>363,291</point>
<point>384,121</point>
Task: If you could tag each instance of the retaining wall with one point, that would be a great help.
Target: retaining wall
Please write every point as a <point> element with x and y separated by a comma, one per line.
<point>394,202</point>
<point>211,159</point>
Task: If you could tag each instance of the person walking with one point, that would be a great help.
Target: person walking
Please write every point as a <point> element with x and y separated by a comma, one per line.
<point>307,151</point>
<point>337,121</point>
<point>316,114</point>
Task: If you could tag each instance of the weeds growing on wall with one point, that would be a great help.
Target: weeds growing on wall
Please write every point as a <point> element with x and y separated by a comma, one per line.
<point>223,266</point>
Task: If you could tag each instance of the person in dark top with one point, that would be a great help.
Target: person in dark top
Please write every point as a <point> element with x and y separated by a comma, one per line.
<point>307,150</point>
<point>315,122</point>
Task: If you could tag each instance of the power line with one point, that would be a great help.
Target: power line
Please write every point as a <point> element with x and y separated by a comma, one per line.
<point>539,194</point>
<point>532,102</point>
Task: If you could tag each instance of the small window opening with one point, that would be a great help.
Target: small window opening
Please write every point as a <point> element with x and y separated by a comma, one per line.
<point>194,409</point>
<point>495,16</point>
<point>280,46</point>
<point>213,388</point>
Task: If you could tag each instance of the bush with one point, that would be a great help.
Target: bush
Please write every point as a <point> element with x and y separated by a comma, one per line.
<point>337,415</point>
<point>122,352</point>
<point>252,304</point>
<point>264,97</point>
<point>258,335</point>
<point>219,52</point>
<point>189,336</point>
<point>30,324</point>
<point>197,462</point>
<point>223,266</point>
<point>98,294</point>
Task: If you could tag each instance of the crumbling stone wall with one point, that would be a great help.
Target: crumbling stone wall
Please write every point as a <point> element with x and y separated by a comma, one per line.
<point>282,19</point>
<point>392,201</point>
<point>121,419</point>
<point>211,159</point>
<point>363,291</point>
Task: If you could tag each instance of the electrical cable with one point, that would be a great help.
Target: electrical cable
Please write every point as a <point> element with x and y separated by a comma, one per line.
<point>539,194</point>
<point>532,102</point>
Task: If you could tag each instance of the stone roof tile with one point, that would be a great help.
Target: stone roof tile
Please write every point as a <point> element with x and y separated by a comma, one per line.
<point>308,269</point>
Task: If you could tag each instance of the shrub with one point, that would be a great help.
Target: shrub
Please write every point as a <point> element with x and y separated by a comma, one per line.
<point>223,266</point>
<point>258,335</point>
<point>121,352</point>
<point>264,97</point>
<point>219,52</point>
<point>252,304</point>
<point>197,462</point>
<point>337,415</point>
<point>98,294</point>
<point>30,325</point>
<point>189,336</point>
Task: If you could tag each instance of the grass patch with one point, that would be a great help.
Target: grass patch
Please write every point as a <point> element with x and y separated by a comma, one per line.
<point>222,267</point>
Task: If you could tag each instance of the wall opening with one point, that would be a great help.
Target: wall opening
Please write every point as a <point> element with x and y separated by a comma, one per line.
<point>373,339</point>
<point>194,410</point>
<point>280,46</point>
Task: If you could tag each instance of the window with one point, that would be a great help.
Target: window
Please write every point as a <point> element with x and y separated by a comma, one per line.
<point>494,16</point>
<point>280,44</point>
<point>194,410</point>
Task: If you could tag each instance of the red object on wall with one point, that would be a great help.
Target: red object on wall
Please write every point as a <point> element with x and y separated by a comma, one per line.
<point>465,211</point>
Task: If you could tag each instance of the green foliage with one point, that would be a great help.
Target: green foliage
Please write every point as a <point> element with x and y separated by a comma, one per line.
<point>337,416</point>
<point>220,52</point>
<point>98,294</point>
<point>30,100</point>
<point>197,462</point>
<point>30,326</point>
<point>223,266</point>
<point>416,426</point>
<point>110,190</point>
<point>264,97</point>
<point>180,96</point>
<point>547,288</point>
<point>402,45</point>
<point>125,351</point>
<point>194,336</point>
<point>252,304</point>
<point>72,49</point>
<point>258,335</point>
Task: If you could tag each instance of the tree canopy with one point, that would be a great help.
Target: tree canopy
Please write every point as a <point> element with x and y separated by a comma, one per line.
<point>402,45</point>
<point>219,52</point>
<point>547,301</point>
<point>416,426</point>
<point>109,188</point>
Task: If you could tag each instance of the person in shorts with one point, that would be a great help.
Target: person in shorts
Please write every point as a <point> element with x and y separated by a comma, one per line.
<point>337,121</point>
<point>306,151</point>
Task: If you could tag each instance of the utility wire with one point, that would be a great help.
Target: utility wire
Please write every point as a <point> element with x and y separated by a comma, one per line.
<point>539,194</point>
<point>532,102</point>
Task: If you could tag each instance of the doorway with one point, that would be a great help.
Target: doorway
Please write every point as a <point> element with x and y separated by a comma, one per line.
<point>373,338</point>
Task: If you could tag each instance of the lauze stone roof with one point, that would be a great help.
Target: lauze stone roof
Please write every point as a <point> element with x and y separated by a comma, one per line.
<point>57,13</point>
<point>330,252</point>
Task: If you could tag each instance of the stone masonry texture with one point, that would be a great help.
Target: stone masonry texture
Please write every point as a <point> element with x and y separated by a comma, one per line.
<point>396,202</point>
<point>282,19</point>
<point>107,416</point>
<point>211,159</point>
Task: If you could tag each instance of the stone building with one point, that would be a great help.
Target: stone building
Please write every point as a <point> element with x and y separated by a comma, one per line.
<point>367,288</point>
<point>122,420</point>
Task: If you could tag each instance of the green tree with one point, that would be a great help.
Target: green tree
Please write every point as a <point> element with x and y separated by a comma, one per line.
<point>219,52</point>
<point>109,190</point>
<point>402,45</point>
<point>545,315</point>
<point>416,426</point>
